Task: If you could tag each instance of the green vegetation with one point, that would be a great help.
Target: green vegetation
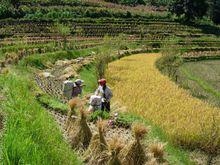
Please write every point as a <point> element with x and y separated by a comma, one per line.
<point>201,78</point>
<point>36,34</point>
<point>7,9</point>
<point>215,11</point>
<point>53,103</point>
<point>31,134</point>
<point>190,9</point>
<point>64,31</point>
<point>128,2</point>
<point>169,65</point>
<point>88,74</point>
<point>171,59</point>
<point>97,115</point>
<point>44,60</point>
<point>142,2</point>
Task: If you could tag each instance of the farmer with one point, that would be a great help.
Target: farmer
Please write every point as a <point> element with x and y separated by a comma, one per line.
<point>106,95</point>
<point>77,88</point>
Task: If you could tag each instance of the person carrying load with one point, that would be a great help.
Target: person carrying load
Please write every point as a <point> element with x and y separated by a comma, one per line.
<point>77,88</point>
<point>106,95</point>
<point>72,89</point>
<point>95,103</point>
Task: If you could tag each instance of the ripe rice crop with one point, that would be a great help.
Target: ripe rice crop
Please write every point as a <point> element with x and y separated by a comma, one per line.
<point>188,121</point>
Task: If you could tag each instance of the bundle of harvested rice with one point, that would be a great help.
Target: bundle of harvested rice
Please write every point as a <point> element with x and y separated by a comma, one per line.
<point>152,161</point>
<point>80,133</point>
<point>97,151</point>
<point>72,106</point>
<point>157,150</point>
<point>134,153</point>
<point>115,147</point>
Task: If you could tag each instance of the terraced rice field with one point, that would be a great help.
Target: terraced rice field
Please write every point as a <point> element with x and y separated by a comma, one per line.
<point>188,121</point>
<point>202,78</point>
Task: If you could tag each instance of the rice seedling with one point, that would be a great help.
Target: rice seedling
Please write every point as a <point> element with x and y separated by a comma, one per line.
<point>80,133</point>
<point>134,153</point>
<point>148,93</point>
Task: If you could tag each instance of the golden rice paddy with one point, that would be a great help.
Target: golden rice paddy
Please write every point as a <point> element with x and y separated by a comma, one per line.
<point>137,84</point>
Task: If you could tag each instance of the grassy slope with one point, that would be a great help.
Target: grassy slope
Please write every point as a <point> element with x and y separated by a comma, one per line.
<point>202,79</point>
<point>31,135</point>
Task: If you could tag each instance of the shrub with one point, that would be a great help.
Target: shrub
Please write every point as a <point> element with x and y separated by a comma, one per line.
<point>169,64</point>
<point>215,12</point>
<point>99,114</point>
<point>101,63</point>
<point>64,31</point>
<point>7,10</point>
<point>191,9</point>
<point>171,59</point>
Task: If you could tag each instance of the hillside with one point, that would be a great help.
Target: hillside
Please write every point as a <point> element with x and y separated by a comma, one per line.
<point>45,42</point>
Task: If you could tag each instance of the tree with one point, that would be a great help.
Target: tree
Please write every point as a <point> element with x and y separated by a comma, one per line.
<point>64,31</point>
<point>14,3</point>
<point>190,9</point>
<point>215,12</point>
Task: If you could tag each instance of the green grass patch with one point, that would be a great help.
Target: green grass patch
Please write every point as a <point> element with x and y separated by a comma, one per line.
<point>42,61</point>
<point>31,135</point>
<point>203,84</point>
<point>53,103</point>
<point>16,48</point>
<point>201,78</point>
<point>88,74</point>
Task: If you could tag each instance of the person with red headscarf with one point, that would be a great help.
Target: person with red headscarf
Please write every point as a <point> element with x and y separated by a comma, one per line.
<point>106,95</point>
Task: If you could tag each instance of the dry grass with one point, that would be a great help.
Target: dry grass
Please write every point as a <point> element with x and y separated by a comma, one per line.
<point>80,134</point>
<point>139,130</point>
<point>137,84</point>
<point>134,153</point>
<point>98,148</point>
<point>157,149</point>
<point>115,147</point>
<point>73,104</point>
